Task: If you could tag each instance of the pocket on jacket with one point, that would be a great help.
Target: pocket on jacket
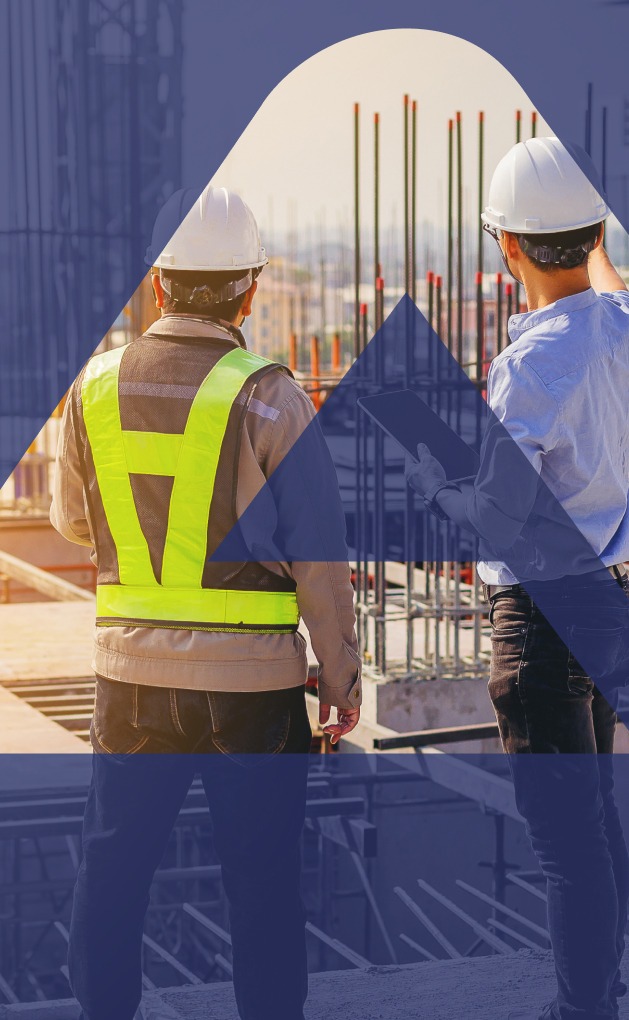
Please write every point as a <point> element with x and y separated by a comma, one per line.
<point>114,727</point>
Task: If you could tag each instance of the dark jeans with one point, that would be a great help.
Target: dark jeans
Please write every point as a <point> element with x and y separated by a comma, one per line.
<point>251,753</point>
<point>558,731</point>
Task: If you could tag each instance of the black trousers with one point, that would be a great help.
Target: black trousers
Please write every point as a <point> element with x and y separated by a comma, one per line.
<point>558,731</point>
<point>251,751</point>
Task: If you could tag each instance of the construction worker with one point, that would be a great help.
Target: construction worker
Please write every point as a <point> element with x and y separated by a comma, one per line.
<point>199,663</point>
<point>558,394</point>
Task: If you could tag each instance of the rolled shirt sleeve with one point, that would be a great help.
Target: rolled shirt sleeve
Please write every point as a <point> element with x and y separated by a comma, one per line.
<point>523,427</point>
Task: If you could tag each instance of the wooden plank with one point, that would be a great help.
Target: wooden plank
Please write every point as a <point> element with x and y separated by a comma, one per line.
<point>43,581</point>
<point>44,640</point>
<point>24,730</point>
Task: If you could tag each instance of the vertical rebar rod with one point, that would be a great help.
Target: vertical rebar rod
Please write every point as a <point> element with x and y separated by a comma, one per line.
<point>365,512</point>
<point>588,121</point>
<point>356,229</point>
<point>376,200</point>
<point>438,304</point>
<point>509,296</point>
<point>378,489</point>
<point>407,275</point>
<point>358,416</point>
<point>379,503</point>
<point>409,504</point>
<point>430,289</point>
<point>427,518</point>
<point>439,326</point>
<point>604,148</point>
<point>481,186</point>
<point>315,371</point>
<point>292,352</point>
<point>322,279</point>
<point>413,245</point>
<point>533,123</point>
<point>480,353</point>
<point>336,353</point>
<point>518,138</point>
<point>450,239</point>
<point>499,323</point>
<point>459,254</point>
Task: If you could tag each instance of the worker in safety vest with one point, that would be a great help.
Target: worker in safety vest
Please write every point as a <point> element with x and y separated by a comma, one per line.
<point>199,663</point>
<point>550,505</point>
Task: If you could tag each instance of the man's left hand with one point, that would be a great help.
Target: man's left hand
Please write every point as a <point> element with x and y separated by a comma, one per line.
<point>424,473</point>
<point>347,720</point>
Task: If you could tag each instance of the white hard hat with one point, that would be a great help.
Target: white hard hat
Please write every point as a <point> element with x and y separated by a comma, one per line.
<point>539,188</point>
<point>218,234</point>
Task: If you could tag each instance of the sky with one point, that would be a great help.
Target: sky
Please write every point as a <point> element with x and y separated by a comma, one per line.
<point>294,162</point>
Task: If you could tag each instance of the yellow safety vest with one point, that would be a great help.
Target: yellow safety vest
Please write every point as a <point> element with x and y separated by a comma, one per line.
<point>191,459</point>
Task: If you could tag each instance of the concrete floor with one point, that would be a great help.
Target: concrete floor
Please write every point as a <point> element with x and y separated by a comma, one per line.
<point>478,988</point>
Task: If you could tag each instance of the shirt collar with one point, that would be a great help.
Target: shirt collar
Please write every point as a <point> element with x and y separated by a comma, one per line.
<point>520,323</point>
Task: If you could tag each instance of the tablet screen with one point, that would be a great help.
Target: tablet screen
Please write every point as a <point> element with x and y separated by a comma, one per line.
<point>404,416</point>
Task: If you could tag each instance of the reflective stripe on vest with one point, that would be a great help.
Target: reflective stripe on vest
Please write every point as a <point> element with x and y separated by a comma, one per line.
<point>192,460</point>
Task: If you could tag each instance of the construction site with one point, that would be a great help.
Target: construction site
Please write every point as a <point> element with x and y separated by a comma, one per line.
<point>392,919</point>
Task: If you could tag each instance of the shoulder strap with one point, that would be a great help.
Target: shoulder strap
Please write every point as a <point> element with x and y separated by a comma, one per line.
<point>101,414</point>
<point>195,472</point>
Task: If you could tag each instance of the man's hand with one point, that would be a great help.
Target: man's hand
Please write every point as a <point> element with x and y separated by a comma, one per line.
<point>425,472</point>
<point>347,721</point>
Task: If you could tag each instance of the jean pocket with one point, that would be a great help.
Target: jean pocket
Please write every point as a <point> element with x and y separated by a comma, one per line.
<point>599,652</point>
<point>114,728</point>
<point>250,727</point>
<point>508,618</point>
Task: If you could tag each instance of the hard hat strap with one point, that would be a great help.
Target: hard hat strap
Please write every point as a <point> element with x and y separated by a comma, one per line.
<point>204,296</point>
<point>568,258</point>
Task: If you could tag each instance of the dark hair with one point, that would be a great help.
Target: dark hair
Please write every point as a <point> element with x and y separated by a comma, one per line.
<point>227,310</point>
<point>565,240</point>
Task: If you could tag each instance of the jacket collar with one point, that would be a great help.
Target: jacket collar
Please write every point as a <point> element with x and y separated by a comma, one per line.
<point>520,323</point>
<point>190,326</point>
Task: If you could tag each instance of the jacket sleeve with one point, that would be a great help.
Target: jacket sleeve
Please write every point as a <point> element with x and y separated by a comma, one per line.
<point>325,594</point>
<point>67,512</point>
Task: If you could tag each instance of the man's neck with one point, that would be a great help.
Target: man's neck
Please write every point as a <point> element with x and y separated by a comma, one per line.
<point>545,288</point>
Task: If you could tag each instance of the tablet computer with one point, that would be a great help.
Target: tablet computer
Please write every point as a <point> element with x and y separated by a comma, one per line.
<point>404,416</point>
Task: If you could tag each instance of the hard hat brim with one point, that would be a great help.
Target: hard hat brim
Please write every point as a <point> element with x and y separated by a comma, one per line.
<point>499,223</point>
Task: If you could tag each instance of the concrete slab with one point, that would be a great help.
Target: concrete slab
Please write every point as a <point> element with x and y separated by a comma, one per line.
<point>477,988</point>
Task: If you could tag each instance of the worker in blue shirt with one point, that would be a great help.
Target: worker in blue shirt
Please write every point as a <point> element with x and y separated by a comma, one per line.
<point>558,393</point>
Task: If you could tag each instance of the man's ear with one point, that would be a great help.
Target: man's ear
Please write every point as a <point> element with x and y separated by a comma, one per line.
<point>158,290</point>
<point>249,296</point>
<point>511,246</point>
<point>601,235</point>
